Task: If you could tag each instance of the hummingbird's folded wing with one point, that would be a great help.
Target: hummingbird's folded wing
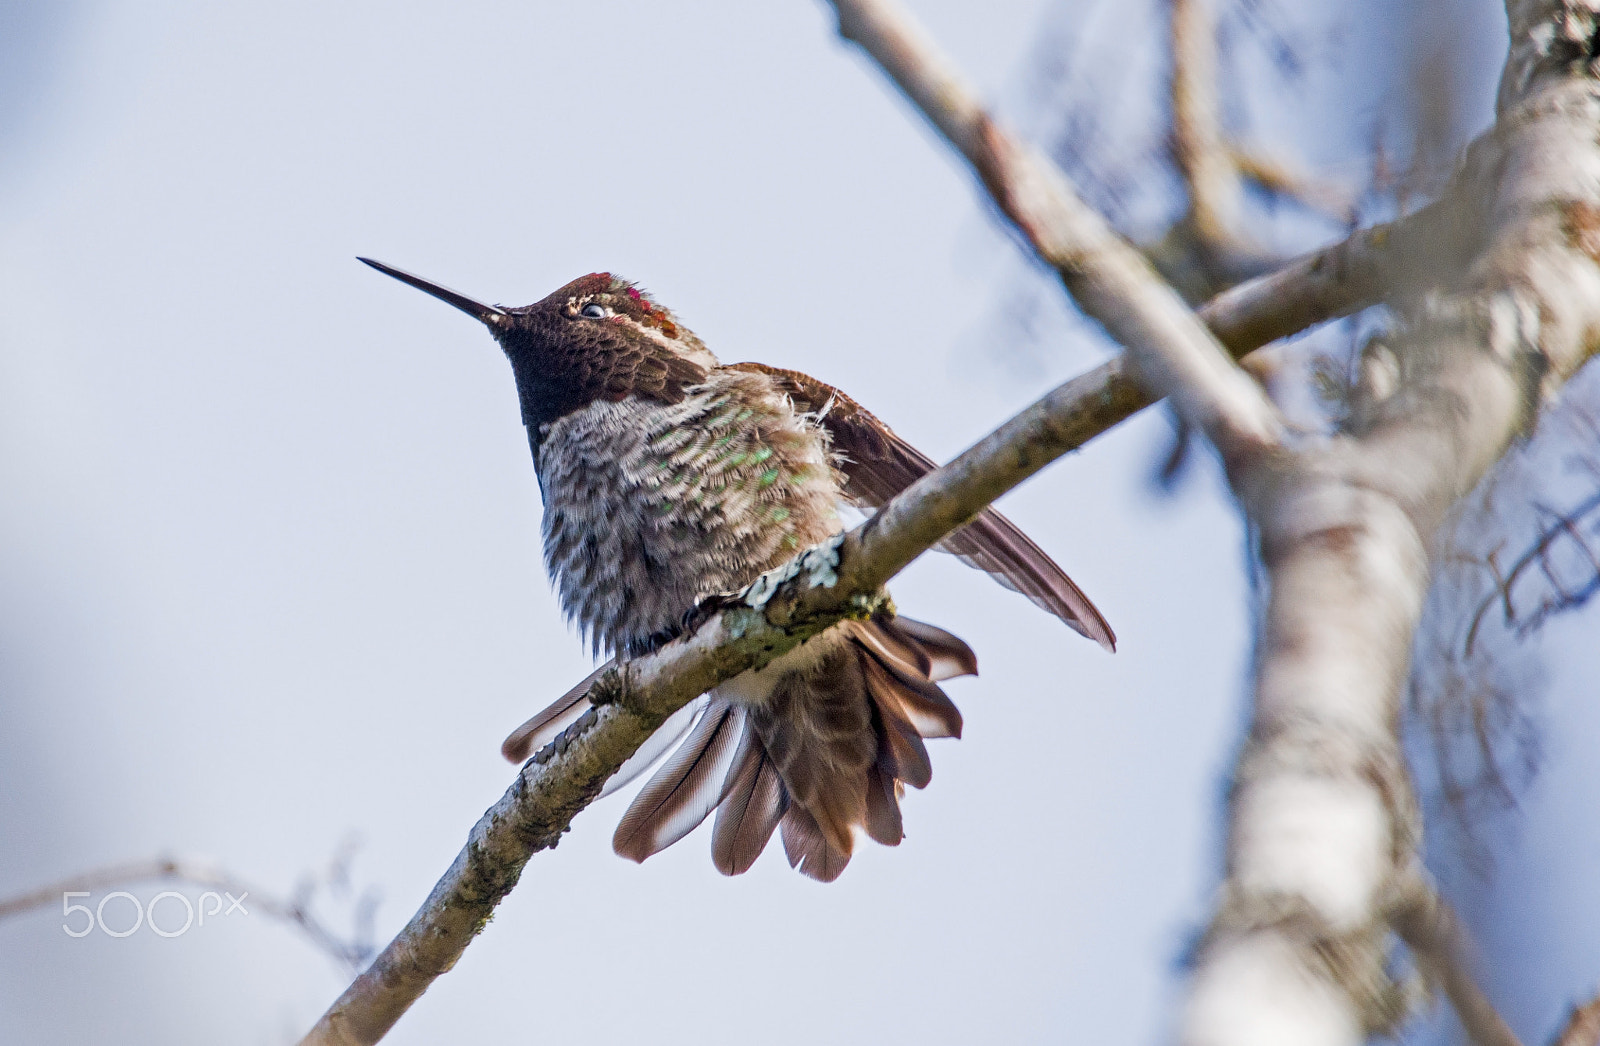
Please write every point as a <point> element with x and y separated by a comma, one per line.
<point>878,465</point>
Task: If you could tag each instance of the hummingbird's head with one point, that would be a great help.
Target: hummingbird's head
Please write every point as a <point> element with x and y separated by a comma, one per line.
<point>597,338</point>
<point>602,313</point>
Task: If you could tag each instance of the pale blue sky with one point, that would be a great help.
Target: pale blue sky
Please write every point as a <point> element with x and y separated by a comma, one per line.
<point>269,567</point>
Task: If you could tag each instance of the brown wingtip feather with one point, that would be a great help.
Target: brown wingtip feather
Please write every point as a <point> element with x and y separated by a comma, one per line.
<point>516,748</point>
<point>879,464</point>
<point>994,544</point>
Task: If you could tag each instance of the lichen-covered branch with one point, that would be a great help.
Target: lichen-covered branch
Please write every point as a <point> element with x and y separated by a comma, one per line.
<point>840,579</point>
<point>560,780</point>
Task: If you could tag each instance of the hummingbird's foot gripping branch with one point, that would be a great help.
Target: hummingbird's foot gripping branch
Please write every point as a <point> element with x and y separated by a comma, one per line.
<point>739,632</point>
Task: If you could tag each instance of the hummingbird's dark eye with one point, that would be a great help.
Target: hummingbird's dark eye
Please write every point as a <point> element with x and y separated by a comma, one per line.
<point>594,311</point>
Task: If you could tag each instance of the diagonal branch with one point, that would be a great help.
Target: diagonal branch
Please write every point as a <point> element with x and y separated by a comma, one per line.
<point>844,578</point>
<point>1111,280</point>
<point>1385,262</point>
<point>840,579</point>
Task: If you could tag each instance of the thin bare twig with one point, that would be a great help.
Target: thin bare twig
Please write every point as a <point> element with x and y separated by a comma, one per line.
<point>1582,1027</point>
<point>1199,146</point>
<point>1437,939</point>
<point>1280,179</point>
<point>1565,525</point>
<point>1208,249</point>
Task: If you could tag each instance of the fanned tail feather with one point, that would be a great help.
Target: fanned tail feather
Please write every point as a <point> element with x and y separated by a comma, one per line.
<point>668,734</point>
<point>684,790</point>
<point>901,752</point>
<point>949,656</point>
<point>808,849</point>
<point>752,805</point>
<point>883,808</point>
<point>821,749</point>
<point>905,694</point>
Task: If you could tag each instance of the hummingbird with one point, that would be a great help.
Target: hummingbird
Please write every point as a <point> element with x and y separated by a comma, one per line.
<point>667,477</point>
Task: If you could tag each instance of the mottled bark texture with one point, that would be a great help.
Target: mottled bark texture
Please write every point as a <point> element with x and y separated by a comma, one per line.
<point>1323,825</point>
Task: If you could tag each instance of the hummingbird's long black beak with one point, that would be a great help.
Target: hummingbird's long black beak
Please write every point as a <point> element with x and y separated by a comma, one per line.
<point>492,315</point>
